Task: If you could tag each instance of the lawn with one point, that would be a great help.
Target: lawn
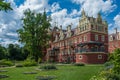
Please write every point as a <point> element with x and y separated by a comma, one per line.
<point>64,72</point>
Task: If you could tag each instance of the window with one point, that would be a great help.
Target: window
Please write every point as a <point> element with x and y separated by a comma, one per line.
<point>96,37</point>
<point>102,38</point>
<point>80,56</point>
<point>80,39</point>
<point>68,51</point>
<point>85,38</point>
<point>99,56</point>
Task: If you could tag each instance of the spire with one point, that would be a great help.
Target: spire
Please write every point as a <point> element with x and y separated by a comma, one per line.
<point>83,12</point>
<point>99,16</point>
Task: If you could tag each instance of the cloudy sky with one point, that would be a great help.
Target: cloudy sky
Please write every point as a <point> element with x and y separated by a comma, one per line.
<point>63,12</point>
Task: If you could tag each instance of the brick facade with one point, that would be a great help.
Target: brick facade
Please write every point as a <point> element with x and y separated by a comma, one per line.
<point>89,39</point>
<point>114,41</point>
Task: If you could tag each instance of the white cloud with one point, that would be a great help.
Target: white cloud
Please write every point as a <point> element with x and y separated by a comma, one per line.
<point>92,7</point>
<point>55,7</point>
<point>10,21</point>
<point>64,19</point>
<point>117,20</point>
<point>115,24</point>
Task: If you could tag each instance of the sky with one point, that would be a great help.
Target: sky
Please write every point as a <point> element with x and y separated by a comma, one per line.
<point>63,12</point>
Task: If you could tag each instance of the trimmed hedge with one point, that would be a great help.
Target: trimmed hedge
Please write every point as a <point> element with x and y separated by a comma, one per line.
<point>79,64</point>
<point>48,67</point>
<point>18,65</point>
<point>28,63</point>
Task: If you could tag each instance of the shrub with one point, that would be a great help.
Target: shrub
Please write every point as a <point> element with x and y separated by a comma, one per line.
<point>48,67</point>
<point>45,77</point>
<point>79,64</point>
<point>108,65</point>
<point>6,63</point>
<point>28,63</point>
<point>3,76</point>
<point>19,65</point>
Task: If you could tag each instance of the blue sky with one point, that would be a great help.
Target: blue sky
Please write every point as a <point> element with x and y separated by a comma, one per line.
<point>63,12</point>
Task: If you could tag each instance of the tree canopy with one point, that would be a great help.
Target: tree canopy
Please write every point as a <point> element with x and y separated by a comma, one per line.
<point>4,6</point>
<point>34,33</point>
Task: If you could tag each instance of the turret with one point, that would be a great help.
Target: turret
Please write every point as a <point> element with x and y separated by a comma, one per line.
<point>99,18</point>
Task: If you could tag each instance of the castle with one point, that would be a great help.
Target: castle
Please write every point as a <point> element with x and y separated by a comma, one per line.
<point>87,43</point>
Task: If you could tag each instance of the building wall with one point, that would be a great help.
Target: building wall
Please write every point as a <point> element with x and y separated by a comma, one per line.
<point>114,41</point>
<point>91,58</point>
<point>66,43</point>
<point>114,45</point>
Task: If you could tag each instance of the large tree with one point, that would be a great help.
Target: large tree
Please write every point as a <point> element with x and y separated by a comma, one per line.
<point>34,32</point>
<point>4,6</point>
<point>2,52</point>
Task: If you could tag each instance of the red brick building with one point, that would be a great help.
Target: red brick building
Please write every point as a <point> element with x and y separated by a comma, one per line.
<point>87,43</point>
<point>114,41</point>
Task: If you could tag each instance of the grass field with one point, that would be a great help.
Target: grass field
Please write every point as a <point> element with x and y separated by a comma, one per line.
<point>64,72</point>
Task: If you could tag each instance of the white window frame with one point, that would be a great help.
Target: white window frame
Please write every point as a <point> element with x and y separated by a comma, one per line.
<point>80,56</point>
<point>100,56</point>
<point>96,37</point>
<point>85,38</point>
<point>80,39</point>
<point>102,38</point>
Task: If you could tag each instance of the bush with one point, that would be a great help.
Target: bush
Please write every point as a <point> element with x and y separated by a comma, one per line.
<point>45,77</point>
<point>28,63</point>
<point>108,65</point>
<point>19,65</point>
<point>79,64</point>
<point>48,67</point>
<point>6,63</point>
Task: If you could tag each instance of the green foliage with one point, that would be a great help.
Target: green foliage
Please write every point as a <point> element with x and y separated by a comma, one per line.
<point>2,52</point>
<point>29,63</point>
<point>6,62</point>
<point>64,72</point>
<point>48,67</point>
<point>4,6</point>
<point>34,33</point>
<point>79,64</point>
<point>111,68</point>
<point>115,59</point>
<point>45,77</point>
<point>15,52</point>
<point>19,65</point>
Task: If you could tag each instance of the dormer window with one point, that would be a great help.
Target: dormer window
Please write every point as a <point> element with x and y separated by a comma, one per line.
<point>111,38</point>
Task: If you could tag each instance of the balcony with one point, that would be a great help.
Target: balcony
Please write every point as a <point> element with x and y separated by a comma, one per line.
<point>90,51</point>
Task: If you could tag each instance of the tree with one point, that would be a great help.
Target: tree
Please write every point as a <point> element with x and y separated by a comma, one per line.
<point>2,52</point>
<point>34,33</point>
<point>15,52</point>
<point>115,59</point>
<point>4,6</point>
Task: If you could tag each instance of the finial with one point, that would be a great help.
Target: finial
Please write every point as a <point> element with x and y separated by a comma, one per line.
<point>83,12</point>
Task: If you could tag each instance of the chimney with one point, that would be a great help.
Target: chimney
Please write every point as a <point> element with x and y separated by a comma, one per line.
<point>60,27</point>
<point>116,30</point>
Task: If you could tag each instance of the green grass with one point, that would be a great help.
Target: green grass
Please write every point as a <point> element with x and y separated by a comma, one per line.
<point>64,72</point>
